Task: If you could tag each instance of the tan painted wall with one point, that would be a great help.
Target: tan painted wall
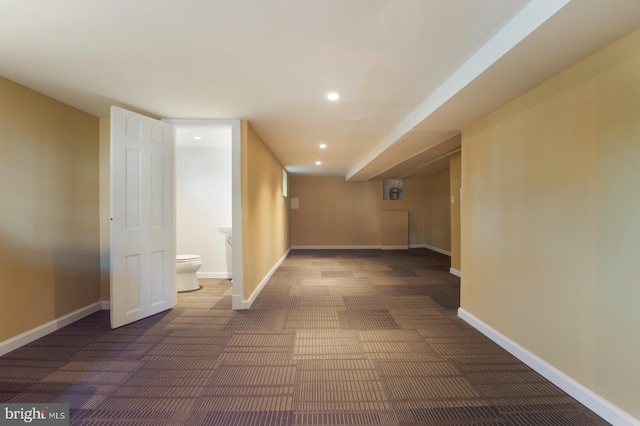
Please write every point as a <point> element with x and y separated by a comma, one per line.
<point>49,231</point>
<point>394,228</point>
<point>265,214</point>
<point>105,207</point>
<point>550,220</point>
<point>337,213</point>
<point>455,164</point>
<point>437,223</point>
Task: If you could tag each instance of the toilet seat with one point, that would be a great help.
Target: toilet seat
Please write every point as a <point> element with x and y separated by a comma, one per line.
<point>187,258</point>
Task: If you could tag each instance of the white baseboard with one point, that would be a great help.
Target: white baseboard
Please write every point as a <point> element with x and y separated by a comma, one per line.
<point>220,275</point>
<point>34,334</point>
<point>335,247</point>
<point>433,248</point>
<point>455,272</point>
<point>584,395</point>
<point>404,247</point>
<point>106,305</point>
<point>246,304</point>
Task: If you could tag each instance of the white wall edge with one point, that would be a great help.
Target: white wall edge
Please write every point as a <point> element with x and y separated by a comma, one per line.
<point>221,275</point>
<point>438,250</point>
<point>404,247</point>
<point>34,334</point>
<point>106,305</point>
<point>246,304</point>
<point>336,247</point>
<point>455,272</point>
<point>584,395</point>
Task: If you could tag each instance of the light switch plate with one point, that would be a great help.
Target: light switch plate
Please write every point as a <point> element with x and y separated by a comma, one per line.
<point>295,203</point>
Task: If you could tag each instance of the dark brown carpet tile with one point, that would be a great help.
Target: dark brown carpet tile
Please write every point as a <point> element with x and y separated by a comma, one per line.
<point>7,374</point>
<point>571,418</point>
<point>112,422</point>
<point>244,375</point>
<point>80,401</point>
<point>128,417</point>
<point>90,377</point>
<point>223,304</point>
<point>159,392</point>
<point>416,369</point>
<point>148,404</point>
<point>60,388</point>
<point>8,390</point>
<point>366,320</point>
<point>177,365</point>
<point>245,418</point>
<point>255,319</point>
<point>284,302</point>
<point>5,361</point>
<point>110,366</point>
<point>41,353</point>
<point>69,341</point>
<point>335,338</point>
<point>432,388</point>
<point>346,418</point>
<point>451,415</point>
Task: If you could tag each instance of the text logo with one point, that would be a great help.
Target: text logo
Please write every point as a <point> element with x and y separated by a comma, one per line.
<point>34,414</point>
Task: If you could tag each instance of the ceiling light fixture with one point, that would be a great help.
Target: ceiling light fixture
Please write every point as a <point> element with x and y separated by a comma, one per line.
<point>318,163</point>
<point>198,138</point>
<point>333,96</point>
<point>323,145</point>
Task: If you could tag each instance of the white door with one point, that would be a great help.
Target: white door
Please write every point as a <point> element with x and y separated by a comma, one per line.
<point>142,217</point>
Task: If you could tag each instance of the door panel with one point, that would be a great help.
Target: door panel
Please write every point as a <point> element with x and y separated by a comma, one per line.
<point>142,217</point>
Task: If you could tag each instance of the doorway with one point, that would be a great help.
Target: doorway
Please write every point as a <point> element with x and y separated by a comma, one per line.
<point>236,193</point>
<point>142,213</point>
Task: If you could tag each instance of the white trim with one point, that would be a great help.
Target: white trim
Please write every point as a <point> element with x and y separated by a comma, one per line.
<point>336,247</point>
<point>221,275</point>
<point>432,248</point>
<point>584,395</point>
<point>106,305</point>
<point>236,195</point>
<point>246,304</point>
<point>403,247</point>
<point>35,333</point>
<point>455,272</point>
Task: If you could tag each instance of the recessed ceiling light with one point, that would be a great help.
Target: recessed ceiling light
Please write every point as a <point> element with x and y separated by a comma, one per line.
<point>318,163</point>
<point>323,145</point>
<point>198,138</point>
<point>333,96</point>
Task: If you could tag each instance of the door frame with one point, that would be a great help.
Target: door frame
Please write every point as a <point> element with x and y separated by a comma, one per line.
<point>236,195</point>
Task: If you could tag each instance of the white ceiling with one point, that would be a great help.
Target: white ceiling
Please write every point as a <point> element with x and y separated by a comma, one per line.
<point>411,73</point>
<point>203,136</point>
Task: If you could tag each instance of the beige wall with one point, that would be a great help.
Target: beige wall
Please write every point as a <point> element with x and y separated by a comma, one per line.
<point>265,214</point>
<point>550,220</point>
<point>437,223</point>
<point>455,163</point>
<point>105,207</point>
<point>49,231</point>
<point>337,213</point>
<point>394,229</point>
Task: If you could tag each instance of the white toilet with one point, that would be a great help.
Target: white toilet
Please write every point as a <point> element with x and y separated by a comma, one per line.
<point>186,267</point>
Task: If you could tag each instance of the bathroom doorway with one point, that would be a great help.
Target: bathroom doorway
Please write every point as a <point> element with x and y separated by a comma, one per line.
<point>208,197</point>
<point>203,198</point>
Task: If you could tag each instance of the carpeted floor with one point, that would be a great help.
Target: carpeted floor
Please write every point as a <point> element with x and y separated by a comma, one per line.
<point>335,338</point>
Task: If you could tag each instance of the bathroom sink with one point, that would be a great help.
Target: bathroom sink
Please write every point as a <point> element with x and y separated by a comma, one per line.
<point>226,230</point>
